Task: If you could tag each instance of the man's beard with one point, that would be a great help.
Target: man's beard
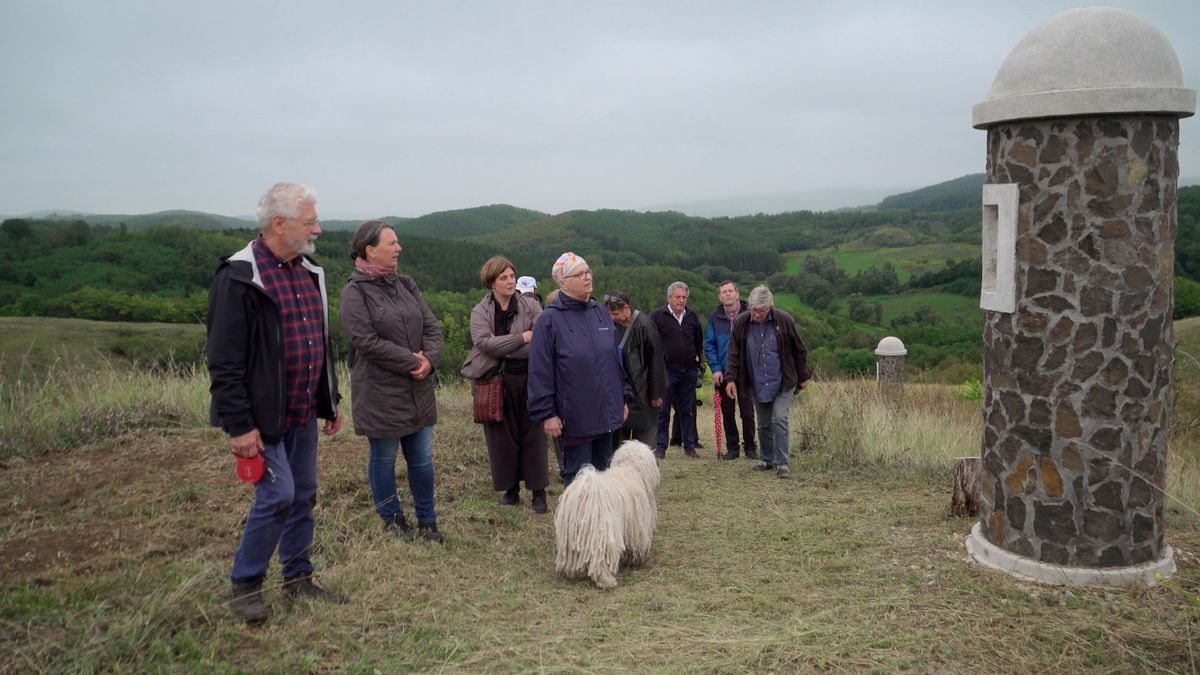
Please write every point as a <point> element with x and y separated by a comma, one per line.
<point>303,246</point>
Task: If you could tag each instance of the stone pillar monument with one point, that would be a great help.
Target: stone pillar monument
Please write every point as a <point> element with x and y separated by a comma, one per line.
<point>1079,218</point>
<point>889,363</point>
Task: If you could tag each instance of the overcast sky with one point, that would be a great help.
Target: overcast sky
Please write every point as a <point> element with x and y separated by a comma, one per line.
<point>402,108</point>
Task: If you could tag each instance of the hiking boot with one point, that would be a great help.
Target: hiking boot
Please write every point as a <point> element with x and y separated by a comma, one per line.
<point>783,471</point>
<point>539,501</point>
<point>246,601</point>
<point>303,587</point>
<point>511,496</point>
<point>751,453</point>
<point>691,452</point>
<point>730,455</point>
<point>399,527</point>
<point>660,454</point>
<point>429,532</point>
<point>763,466</point>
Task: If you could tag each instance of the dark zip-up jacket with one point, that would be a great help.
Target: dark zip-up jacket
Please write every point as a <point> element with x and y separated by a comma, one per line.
<point>245,352</point>
<point>683,342</point>
<point>793,355</point>
<point>573,369</point>
<point>645,369</point>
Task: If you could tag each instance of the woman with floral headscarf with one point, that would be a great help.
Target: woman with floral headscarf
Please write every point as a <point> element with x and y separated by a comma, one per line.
<point>577,390</point>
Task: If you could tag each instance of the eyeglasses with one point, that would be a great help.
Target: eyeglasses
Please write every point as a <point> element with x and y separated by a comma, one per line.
<point>311,222</point>
<point>585,273</point>
<point>614,300</point>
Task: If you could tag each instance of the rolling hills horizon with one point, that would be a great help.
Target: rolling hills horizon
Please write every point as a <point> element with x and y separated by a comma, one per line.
<point>826,200</point>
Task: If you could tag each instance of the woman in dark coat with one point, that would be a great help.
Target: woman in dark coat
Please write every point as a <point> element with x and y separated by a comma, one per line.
<point>395,342</point>
<point>577,389</point>
<point>501,328</point>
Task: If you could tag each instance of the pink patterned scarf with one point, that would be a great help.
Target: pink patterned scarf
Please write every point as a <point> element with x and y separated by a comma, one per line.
<point>372,270</point>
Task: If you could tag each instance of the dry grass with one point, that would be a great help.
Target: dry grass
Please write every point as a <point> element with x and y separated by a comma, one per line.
<point>70,407</point>
<point>118,555</point>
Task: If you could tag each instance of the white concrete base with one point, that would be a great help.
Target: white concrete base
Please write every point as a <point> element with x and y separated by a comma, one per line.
<point>989,555</point>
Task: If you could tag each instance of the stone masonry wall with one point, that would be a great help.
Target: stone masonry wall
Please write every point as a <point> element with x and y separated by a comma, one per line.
<point>1077,382</point>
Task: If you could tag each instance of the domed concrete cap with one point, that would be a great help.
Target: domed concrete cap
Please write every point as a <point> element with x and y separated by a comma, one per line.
<point>1088,61</point>
<point>890,346</point>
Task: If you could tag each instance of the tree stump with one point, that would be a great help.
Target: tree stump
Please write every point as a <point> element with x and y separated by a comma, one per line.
<point>965,500</point>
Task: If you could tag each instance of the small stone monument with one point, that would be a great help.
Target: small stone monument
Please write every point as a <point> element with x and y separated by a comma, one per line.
<point>889,363</point>
<point>1079,219</point>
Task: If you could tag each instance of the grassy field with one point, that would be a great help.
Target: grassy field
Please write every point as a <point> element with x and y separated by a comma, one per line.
<point>949,305</point>
<point>908,260</point>
<point>34,345</point>
<point>117,549</point>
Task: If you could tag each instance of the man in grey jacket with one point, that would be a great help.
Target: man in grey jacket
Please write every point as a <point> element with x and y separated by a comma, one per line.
<point>642,357</point>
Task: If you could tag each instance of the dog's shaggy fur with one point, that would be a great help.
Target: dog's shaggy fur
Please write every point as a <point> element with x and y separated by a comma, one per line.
<point>606,518</point>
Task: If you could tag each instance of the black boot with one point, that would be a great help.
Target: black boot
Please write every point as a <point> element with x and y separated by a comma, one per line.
<point>730,455</point>
<point>246,601</point>
<point>751,453</point>
<point>539,501</point>
<point>303,587</point>
<point>399,526</point>
<point>511,496</point>
<point>429,532</point>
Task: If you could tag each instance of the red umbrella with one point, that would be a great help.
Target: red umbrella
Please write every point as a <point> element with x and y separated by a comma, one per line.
<point>718,428</point>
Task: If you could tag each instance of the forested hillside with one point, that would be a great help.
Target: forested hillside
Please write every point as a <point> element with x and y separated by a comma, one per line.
<point>833,270</point>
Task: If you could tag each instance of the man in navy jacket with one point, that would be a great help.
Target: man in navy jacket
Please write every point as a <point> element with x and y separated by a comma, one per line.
<point>683,345</point>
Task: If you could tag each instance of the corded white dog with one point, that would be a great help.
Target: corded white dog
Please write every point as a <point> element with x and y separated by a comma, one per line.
<point>606,518</point>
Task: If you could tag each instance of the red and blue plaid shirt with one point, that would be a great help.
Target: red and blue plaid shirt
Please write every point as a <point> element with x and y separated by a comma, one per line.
<point>294,291</point>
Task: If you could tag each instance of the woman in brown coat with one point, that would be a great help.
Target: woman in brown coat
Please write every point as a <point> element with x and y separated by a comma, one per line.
<point>395,342</point>
<point>501,328</point>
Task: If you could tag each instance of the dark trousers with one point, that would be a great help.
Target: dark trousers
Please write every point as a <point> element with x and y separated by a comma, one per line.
<point>516,444</point>
<point>626,434</point>
<point>596,452</point>
<point>680,395</point>
<point>282,514</point>
<point>745,406</point>
<point>676,436</point>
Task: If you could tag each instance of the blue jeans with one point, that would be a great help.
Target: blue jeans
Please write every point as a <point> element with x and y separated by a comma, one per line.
<point>381,474</point>
<point>596,452</point>
<point>773,428</point>
<point>680,393</point>
<point>282,514</point>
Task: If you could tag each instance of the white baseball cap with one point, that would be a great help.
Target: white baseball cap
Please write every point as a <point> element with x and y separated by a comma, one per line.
<point>526,285</point>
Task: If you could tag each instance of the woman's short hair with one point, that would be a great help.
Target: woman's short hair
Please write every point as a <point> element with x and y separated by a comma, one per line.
<point>493,268</point>
<point>366,235</point>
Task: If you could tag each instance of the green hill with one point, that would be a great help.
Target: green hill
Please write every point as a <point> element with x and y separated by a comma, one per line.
<point>195,220</point>
<point>960,193</point>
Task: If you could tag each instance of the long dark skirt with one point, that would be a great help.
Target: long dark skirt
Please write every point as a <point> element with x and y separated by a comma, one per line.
<point>516,445</point>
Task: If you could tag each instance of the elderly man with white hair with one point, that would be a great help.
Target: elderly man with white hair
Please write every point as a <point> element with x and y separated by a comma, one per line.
<point>768,361</point>
<point>270,360</point>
